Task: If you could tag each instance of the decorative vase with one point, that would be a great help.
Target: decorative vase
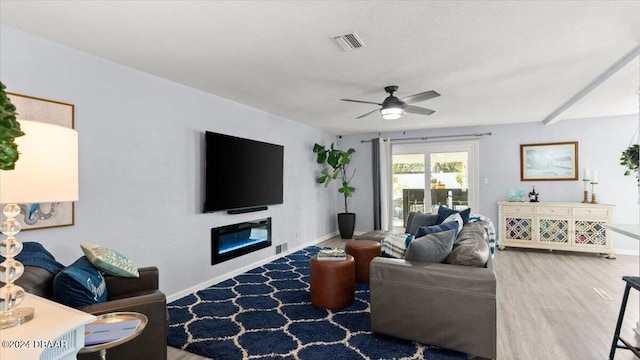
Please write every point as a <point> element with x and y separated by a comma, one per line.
<point>346,224</point>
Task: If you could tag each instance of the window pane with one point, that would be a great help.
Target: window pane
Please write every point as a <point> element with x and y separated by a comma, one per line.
<point>449,180</point>
<point>408,186</point>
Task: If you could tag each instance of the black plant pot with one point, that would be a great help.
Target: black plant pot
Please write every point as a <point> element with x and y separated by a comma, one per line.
<point>346,224</point>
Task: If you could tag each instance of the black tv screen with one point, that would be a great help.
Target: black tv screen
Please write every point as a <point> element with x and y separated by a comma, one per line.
<point>241,173</point>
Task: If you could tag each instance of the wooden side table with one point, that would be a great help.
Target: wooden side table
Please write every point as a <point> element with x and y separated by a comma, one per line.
<point>140,321</point>
<point>332,282</point>
<point>55,333</point>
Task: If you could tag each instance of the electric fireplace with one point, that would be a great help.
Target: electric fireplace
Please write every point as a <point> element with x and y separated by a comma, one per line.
<point>231,241</point>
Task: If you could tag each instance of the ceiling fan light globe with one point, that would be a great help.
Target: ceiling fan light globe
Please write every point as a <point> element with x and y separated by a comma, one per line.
<point>392,113</point>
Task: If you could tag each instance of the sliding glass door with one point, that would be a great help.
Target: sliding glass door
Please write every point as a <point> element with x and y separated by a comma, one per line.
<point>428,175</point>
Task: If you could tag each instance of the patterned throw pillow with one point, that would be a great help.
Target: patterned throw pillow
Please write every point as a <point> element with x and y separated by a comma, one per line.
<point>79,284</point>
<point>110,261</point>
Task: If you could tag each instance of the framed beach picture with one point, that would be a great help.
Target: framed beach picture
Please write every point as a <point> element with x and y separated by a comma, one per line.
<point>44,215</point>
<point>549,161</point>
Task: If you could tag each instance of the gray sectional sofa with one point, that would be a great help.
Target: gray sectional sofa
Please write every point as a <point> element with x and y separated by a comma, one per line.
<point>444,304</point>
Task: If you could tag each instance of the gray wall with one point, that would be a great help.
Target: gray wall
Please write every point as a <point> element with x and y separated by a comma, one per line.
<point>141,164</point>
<point>600,143</point>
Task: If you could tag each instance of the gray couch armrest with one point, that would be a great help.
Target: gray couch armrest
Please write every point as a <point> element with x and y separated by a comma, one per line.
<point>152,342</point>
<point>450,306</point>
<point>140,295</point>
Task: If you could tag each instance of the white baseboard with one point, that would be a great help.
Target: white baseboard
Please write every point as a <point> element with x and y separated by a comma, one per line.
<point>244,269</point>
<point>633,252</point>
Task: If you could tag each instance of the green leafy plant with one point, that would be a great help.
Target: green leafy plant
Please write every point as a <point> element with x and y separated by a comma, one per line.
<point>9,130</point>
<point>338,168</point>
<point>629,159</point>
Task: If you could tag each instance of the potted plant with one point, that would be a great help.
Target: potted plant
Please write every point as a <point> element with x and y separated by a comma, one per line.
<point>434,183</point>
<point>335,164</point>
<point>9,130</point>
<point>629,160</point>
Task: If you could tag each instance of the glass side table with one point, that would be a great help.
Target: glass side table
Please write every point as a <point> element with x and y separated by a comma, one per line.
<point>119,328</point>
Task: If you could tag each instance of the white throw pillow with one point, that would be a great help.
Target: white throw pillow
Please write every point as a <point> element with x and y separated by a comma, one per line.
<point>455,217</point>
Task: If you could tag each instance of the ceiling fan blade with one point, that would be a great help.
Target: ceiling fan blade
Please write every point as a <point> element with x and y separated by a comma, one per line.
<point>369,113</point>
<point>411,99</point>
<point>360,101</point>
<point>418,110</point>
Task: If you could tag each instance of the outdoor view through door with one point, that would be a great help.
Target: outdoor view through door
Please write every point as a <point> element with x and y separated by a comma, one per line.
<point>427,176</point>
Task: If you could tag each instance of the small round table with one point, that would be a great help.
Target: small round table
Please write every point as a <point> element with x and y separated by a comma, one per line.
<point>112,318</point>
<point>363,252</point>
<point>332,282</point>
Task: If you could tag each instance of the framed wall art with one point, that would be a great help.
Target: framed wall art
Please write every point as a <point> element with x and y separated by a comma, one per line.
<point>44,215</point>
<point>549,161</point>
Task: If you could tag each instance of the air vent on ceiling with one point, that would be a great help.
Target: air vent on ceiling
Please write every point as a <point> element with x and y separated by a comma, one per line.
<point>348,41</point>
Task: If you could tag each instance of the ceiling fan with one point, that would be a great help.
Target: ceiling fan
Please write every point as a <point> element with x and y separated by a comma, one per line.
<point>392,107</point>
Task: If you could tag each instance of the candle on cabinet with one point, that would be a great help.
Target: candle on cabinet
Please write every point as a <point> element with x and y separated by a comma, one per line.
<point>594,176</point>
<point>585,174</point>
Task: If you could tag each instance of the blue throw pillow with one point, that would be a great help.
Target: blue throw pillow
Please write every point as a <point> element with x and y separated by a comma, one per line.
<point>444,212</point>
<point>34,254</point>
<point>426,230</point>
<point>80,284</point>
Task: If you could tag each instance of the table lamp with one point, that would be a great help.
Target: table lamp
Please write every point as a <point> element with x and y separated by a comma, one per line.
<point>47,171</point>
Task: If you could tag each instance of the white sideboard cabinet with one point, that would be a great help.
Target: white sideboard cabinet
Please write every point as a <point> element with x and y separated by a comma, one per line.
<point>555,226</point>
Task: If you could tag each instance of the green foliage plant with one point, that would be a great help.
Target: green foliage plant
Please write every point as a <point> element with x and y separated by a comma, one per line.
<point>335,166</point>
<point>9,130</point>
<point>629,160</point>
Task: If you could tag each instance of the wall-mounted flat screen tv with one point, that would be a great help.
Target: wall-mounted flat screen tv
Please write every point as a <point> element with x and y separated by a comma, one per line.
<point>241,173</point>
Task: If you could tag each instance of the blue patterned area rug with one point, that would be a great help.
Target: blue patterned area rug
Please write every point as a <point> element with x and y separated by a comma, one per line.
<point>266,313</point>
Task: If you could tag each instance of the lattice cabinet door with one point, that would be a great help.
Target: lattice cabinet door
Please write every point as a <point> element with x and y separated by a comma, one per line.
<point>554,231</point>
<point>518,228</point>
<point>590,233</point>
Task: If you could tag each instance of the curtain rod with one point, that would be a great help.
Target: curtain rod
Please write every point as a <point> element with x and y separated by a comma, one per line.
<point>425,138</point>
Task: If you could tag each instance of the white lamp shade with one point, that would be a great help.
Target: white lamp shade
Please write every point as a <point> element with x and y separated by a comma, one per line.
<point>391,113</point>
<point>47,170</point>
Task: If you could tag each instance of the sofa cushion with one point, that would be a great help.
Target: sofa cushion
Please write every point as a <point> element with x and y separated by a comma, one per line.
<point>471,247</point>
<point>110,261</point>
<point>409,220</point>
<point>432,248</point>
<point>444,212</point>
<point>419,219</point>
<point>80,284</point>
<point>425,230</point>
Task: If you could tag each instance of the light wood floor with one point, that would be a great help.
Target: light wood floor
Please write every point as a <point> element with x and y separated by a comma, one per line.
<point>547,308</point>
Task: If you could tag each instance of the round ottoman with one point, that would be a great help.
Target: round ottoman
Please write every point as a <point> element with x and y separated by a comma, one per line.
<point>332,282</point>
<point>363,251</point>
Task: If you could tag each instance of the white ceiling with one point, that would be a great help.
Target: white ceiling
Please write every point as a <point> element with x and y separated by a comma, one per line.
<point>494,62</point>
